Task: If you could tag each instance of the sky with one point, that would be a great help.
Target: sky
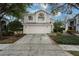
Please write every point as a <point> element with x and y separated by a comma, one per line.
<point>38,6</point>
<point>60,16</point>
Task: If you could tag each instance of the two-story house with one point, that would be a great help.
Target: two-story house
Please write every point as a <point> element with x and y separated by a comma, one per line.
<point>38,22</point>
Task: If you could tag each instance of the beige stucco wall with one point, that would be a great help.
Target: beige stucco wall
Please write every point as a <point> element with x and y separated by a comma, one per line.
<point>36,26</point>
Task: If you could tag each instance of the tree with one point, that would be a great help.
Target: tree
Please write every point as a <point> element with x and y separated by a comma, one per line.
<point>15,26</point>
<point>58,26</point>
<point>64,7</point>
<point>11,9</point>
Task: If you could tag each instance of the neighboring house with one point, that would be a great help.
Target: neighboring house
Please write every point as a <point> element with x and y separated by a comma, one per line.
<point>72,24</point>
<point>38,22</point>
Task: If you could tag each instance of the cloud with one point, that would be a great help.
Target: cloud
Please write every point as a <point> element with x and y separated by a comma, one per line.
<point>32,11</point>
<point>58,14</point>
<point>44,6</point>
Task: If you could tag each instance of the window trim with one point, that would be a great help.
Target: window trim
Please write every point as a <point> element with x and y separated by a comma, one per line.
<point>30,18</point>
<point>41,16</point>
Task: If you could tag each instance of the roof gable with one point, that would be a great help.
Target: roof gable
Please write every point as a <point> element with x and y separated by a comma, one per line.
<point>42,11</point>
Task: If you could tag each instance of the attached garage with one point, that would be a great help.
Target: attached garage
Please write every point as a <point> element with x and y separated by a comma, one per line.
<point>40,28</point>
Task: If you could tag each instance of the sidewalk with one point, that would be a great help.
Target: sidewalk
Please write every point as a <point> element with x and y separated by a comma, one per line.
<point>70,47</point>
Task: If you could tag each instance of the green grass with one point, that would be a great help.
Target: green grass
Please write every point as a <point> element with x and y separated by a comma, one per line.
<point>75,53</point>
<point>66,39</point>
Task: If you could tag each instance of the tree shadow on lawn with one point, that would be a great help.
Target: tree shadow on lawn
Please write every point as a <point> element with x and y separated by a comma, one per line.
<point>10,39</point>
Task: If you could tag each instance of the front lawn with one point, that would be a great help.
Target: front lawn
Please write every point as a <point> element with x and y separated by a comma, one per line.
<point>10,39</point>
<point>66,39</point>
<point>75,53</point>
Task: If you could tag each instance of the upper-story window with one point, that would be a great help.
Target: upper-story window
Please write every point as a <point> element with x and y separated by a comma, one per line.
<point>41,17</point>
<point>30,18</point>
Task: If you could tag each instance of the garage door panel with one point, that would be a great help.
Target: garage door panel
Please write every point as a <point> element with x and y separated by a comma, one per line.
<point>38,29</point>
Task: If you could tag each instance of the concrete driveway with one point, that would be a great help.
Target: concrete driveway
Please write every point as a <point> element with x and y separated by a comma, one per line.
<point>34,45</point>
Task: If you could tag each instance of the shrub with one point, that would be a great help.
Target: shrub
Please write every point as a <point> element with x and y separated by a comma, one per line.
<point>58,26</point>
<point>59,34</point>
<point>59,30</point>
<point>55,30</point>
<point>70,31</point>
<point>15,26</point>
<point>8,33</point>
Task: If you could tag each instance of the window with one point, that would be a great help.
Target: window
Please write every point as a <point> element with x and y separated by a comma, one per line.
<point>30,17</point>
<point>41,17</point>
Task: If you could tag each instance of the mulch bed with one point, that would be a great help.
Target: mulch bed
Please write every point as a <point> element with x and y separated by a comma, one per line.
<point>10,39</point>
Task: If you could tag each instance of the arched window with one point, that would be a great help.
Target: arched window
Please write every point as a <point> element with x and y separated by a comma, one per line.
<point>41,17</point>
<point>30,17</point>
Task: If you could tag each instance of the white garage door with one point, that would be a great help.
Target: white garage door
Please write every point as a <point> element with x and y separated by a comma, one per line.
<point>37,29</point>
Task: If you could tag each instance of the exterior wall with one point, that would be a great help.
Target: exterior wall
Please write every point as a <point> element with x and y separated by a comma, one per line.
<point>35,18</point>
<point>46,20</point>
<point>66,25</point>
<point>26,18</point>
<point>77,24</point>
<point>37,26</point>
